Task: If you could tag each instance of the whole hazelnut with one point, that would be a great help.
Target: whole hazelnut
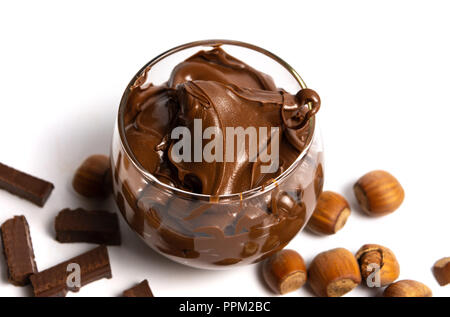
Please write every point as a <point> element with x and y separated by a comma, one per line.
<point>407,288</point>
<point>441,271</point>
<point>285,271</point>
<point>378,265</point>
<point>331,213</point>
<point>378,193</point>
<point>334,273</point>
<point>92,178</point>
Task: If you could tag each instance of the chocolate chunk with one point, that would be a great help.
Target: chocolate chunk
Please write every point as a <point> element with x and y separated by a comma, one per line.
<point>18,250</point>
<point>140,290</point>
<point>57,280</point>
<point>25,186</point>
<point>79,225</point>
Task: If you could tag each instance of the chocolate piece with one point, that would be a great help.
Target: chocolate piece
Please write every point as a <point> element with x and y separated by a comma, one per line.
<point>140,290</point>
<point>18,250</point>
<point>24,185</point>
<point>53,282</point>
<point>79,225</point>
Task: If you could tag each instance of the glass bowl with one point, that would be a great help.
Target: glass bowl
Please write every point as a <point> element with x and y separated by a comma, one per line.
<point>215,232</point>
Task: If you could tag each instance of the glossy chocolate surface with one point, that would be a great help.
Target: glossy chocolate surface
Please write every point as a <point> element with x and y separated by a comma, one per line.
<point>224,92</point>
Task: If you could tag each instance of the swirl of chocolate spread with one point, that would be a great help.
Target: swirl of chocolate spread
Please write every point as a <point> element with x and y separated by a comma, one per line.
<point>223,92</point>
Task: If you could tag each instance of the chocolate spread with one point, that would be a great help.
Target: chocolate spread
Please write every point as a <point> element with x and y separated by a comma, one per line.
<point>223,92</point>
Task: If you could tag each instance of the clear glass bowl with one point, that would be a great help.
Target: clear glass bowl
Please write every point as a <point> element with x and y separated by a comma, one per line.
<point>221,231</point>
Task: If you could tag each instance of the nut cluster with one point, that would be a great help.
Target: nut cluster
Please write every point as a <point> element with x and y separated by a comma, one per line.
<point>378,193</point>
<point>336,272</point>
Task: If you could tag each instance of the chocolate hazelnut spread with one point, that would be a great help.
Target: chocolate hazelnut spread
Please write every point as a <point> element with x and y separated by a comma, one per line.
<point>222,92</point>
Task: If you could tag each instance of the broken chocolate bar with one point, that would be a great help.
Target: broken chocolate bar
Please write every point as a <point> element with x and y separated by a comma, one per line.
<point>59,279</point>
<point>25,186</point>
<point>140,290</point>
<point>80,225</point>
<point>18,250</point>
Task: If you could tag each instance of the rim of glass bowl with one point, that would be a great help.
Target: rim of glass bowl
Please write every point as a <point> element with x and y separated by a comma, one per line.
<point>186,194</point>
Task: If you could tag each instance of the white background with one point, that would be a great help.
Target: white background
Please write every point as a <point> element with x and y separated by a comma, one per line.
<point>381,67</point>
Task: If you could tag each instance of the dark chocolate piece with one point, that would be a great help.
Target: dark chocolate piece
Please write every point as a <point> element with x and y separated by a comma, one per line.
<point>140,290</point>
<point>24,185</point>
<point>18,250</point>
<point>80,225</point>
<point>54,282</point>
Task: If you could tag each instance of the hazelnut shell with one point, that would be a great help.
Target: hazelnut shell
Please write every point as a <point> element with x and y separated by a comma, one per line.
<point>407,288</point>
<point>92,178</point>
<point>383,257</point>
<point>285,271</point>
<point>330,214</point>
<point>441,271</point>
<point>378,193</point>
<point>334,273</point>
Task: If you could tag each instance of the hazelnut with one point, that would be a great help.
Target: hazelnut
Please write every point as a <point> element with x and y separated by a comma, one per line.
<point>92,177</point>
<point>285,271</point>
<point>378,193</point>
<point>334,273</point>
<point>441,271</point>
<point>378,264</point>
<point>407,288</point>
<point>330,215</point>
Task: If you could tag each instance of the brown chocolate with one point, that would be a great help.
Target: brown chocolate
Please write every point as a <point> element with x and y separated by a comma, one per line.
<point>92,226</point>
<point>140,290</point>
<point>220,231</point>
<point>24,185</point>
<point>223,92</point>
<point>53,282</point>
<point>18,250</point>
